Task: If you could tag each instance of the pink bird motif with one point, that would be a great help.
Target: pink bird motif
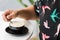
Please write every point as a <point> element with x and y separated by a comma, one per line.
<point>46,25</point>
<point>58,29</point>
<point>44,36</point>
<point>45,7</point>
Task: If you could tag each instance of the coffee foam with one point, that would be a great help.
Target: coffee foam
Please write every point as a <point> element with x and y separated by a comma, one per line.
<point>18,23</point>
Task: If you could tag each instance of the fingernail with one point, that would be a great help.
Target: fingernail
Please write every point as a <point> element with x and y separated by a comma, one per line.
<point>8,17</point>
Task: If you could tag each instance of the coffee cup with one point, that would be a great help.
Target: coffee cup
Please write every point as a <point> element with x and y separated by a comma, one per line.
<point>18,27</point>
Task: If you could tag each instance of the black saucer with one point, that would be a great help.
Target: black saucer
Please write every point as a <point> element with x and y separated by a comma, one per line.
<point>21,31</point>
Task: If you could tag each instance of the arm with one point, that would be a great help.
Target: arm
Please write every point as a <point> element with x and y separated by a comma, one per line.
<point>27,13</point>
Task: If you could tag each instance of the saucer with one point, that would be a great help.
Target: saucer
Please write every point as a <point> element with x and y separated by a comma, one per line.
<point>21,31</point>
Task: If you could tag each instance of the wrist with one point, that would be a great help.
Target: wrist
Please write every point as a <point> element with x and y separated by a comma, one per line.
<point>17,12</point>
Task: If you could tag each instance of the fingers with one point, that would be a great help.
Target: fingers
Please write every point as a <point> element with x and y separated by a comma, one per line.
<point>4,17</point>
<point>5,14</point>
<point>11,16</point>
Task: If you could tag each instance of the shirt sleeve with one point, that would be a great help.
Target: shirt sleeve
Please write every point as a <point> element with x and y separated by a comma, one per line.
<point>36,7</point>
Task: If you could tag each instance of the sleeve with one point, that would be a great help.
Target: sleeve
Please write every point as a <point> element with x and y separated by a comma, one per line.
<point>36,7</point>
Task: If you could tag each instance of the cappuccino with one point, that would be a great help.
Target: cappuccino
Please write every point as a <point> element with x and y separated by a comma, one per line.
<point>17,26</point>
<point>17,23</point>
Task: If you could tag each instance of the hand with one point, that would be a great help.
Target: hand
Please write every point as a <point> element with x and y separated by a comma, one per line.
<point>8,15</point>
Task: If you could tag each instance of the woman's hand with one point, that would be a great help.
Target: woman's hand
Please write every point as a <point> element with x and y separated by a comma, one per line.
<point>26,13</point>
<point>8,15</point>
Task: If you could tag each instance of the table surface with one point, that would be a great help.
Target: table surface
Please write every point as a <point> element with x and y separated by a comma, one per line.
<point>32,25</point>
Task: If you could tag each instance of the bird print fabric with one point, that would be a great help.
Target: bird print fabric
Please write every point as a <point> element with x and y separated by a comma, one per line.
<point>49,14</point>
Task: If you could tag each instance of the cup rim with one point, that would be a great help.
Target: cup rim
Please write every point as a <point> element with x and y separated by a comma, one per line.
<point>15,28</point>
<point>10,24</point>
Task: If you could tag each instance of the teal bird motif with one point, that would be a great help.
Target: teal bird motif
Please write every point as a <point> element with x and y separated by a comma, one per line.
<point>54,15</point>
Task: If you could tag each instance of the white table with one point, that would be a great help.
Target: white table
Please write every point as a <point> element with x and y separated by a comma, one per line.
<point>6,36</point>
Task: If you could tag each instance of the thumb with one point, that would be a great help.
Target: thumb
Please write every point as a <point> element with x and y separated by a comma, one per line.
<point>10,16</point>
